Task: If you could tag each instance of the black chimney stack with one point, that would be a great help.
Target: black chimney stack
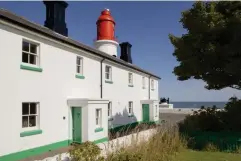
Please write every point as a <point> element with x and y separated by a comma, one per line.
<point>55,16</point>
<point>126,52</point>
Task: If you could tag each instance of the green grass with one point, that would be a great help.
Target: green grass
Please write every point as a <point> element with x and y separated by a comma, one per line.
<point>189,155</point>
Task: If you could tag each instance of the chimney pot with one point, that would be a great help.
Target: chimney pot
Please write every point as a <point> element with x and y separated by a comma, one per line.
<point>55,16</point>
<point>126,52</point>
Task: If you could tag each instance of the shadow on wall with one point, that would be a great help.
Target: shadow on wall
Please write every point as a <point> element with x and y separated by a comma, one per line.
<point>122,124</point>
<point>122,119</point>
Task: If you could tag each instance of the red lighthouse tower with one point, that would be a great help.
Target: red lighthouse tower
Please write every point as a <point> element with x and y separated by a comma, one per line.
<point>106,41</point>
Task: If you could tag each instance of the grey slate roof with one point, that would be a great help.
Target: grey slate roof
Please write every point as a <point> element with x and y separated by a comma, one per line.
<point>22,22</point>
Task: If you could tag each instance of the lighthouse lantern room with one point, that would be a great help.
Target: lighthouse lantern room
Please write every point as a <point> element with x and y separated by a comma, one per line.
<point>106,41</point>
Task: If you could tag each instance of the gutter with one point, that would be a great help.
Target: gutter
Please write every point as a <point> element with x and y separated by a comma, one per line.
<point>149,88</point>
<point>101,79</point>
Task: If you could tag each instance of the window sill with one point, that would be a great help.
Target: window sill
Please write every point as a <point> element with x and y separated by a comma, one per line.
<point>79,76</point>
<point>110,119</point>
<point>132,115</point>
<point>99,129</point>
<point>131,85</point>
<point>107,81</point>
<point>29,133</point>
<point>152,89</point>
<point>32,68</point>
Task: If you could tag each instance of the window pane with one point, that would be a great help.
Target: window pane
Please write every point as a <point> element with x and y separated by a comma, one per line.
<point>33,48</point>
<point>107,76</point>
<point>78,61</point>
<point>129,109</point>
<point>24,57</point>
<point>25,46</point>
<point>97,113</point>
<point>78,69</point>
<point>130,104</point>
<point>96,121</point>
<point>33,108</point>
<point>32,59</point>
<point>25,121</point>
<point>32,121</point>
<point>25,108</point>
<point>109,109</point>
<point>107,69</point>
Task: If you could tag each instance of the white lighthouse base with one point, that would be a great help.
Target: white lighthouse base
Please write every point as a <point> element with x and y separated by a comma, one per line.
<point>107,46</point>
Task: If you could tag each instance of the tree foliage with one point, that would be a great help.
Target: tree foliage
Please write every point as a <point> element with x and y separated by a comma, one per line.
<point>211,48</point>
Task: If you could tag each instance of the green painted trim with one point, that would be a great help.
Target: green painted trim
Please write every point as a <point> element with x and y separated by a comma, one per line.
<point>157,122</point>
<point>29,133</point>
<point>125,125</point>
<point>110,82</point>
<point>110,119</point>
<point>130,85</point>
<point>26,67</point>
<point>99,129</point>
<point>34,151</point>
<point>79,76</point>
<point>101,140</point>
<point>131,116</point>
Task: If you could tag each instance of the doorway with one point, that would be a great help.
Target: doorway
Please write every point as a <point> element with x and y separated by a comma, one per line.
<point>77,121</point>
<point>145,113</point>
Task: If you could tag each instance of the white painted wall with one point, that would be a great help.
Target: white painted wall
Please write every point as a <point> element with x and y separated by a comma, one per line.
<point>155,111</point>
<point>53,86</point>
<point>50,87</point>
<point>119,93</point>
<point>92,125</point>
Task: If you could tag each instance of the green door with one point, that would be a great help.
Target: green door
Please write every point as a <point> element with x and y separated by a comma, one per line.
<point>145,113</point>
<point>76,116</point>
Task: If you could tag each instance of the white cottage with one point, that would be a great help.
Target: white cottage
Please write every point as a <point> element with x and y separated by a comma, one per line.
<point>55,90</point>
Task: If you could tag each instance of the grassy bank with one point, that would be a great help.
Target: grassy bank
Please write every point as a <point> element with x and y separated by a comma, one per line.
<point>190,155</point>
<point>162,145</point>
<point>165,144</point>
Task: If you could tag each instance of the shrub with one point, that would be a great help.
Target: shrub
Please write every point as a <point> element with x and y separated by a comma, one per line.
<point>205,119</point>
<point>211,125</point>
<point>213,119</point>
<point>87,151</point>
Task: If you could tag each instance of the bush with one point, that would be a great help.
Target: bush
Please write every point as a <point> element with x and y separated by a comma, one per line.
<point>221,128</point>
<point>205,119</point>
<point>87,151</point>
<point>215,120</point>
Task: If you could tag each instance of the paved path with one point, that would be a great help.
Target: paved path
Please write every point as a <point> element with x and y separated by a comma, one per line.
<point>172,117</point>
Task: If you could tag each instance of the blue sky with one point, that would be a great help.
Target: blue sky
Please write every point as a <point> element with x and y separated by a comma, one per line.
<point>146,26</point>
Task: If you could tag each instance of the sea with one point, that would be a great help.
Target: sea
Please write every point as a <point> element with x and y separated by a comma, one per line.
<point>197,104</point>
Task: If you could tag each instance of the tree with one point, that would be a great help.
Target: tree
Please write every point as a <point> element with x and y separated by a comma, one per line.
<point>211,48</point>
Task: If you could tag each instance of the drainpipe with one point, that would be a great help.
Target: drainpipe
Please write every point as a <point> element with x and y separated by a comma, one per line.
<point>149,88</point>
<point>101,82</point>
